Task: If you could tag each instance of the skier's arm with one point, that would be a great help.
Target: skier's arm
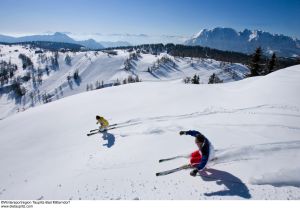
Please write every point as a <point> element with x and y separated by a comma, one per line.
<point>203,163</point>
<point>190,132</point>
<point>205,154</point>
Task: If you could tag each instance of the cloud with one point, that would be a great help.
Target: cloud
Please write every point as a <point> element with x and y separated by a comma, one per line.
<point>128,35</point>
<point>98,34</point>
<point>67,33</point>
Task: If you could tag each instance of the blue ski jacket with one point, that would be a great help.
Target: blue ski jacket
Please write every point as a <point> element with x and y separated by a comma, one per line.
<point>204,149</point>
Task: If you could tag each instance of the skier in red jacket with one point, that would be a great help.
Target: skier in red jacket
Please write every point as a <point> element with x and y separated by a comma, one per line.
<point>200,157</point>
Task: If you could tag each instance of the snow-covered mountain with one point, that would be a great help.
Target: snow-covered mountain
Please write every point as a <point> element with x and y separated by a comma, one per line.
<point>91,44</point>
<point>56,37</point>
<point>253,124</point>
<point>97,67</point>
<point>246,41</point>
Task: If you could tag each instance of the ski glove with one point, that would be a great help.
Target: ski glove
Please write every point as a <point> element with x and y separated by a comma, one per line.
<point>182,132</point>
<point>194,172</point>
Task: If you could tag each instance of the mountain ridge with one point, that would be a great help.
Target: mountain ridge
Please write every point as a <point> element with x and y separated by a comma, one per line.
<point>246,41</point>
<point>63,38</point>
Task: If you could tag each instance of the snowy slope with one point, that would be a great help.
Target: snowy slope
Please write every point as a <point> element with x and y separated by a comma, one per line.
<point>253,123</point>
<point>96,67</point>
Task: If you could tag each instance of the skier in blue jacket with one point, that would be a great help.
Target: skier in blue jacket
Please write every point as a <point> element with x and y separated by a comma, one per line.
<point>199,158</point>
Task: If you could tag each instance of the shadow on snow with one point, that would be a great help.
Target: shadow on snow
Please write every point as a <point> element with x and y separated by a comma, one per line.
<point>234,185</point>
<point>110,138</point>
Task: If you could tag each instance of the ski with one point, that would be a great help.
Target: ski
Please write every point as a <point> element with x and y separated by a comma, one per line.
<point>96,132</point>
<point>173,158</point>
<point>113,125</point>
<point>163,173</point>
<point>89,134</point>
<point>109,129</point>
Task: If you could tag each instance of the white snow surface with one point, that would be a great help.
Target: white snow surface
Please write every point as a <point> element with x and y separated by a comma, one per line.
<point>254,124</point>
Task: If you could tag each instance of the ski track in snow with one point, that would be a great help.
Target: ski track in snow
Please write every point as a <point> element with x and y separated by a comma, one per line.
<point>254,151</point>
<point>216,110</point>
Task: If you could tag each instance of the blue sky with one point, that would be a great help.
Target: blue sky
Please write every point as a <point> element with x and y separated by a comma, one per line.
<point>151,17</point>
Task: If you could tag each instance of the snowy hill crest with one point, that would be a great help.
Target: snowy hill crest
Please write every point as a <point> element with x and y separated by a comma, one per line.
<point>55,71</point>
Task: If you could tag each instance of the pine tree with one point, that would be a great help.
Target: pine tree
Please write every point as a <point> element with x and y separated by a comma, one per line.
<point>17,88</point>
<point>187,80</point>
<point>68,60</point>
<point>76,75</point>
<point>214,79</point>
<point>272,63</point>
<point>137,79</point>
<point>255,63</point>
<point>47,70</point>
<point>196,79</point>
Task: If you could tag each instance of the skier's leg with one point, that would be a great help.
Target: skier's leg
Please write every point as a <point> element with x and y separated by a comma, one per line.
<point>195,158</point>
<point>195,161</point>
<point>195,154</point>
<point>102,128</point>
